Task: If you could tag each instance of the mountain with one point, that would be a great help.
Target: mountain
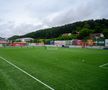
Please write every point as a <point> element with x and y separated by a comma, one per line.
<point>93,26</point>
<point>2,38</point>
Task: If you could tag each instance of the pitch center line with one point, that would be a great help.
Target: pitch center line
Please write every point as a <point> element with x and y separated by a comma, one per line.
<point>27,73</point>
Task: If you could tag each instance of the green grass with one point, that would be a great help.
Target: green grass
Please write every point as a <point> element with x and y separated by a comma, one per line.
<point>62,69</point>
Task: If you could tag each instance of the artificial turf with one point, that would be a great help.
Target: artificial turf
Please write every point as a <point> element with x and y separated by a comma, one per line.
<point>60,68</point>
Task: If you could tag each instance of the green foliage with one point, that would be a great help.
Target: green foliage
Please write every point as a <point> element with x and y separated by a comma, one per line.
<point>14,37</point>
<point>47,41</point>
<point>17,40</point>
<point>105,32</point>
<point>95,26</point>
<point>40,40</point>
<point>67,37</point>
<point>84,33</point>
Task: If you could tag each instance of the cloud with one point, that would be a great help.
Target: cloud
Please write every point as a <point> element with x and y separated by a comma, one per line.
<point>23,16</point>
<point>84,11</point>
<point>9,29</point>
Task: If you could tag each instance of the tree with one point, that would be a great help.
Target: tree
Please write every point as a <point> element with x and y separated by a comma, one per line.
<point>67,37</point>
<point>105,32</point>
<point>96,26</point>
<point>84,33</point>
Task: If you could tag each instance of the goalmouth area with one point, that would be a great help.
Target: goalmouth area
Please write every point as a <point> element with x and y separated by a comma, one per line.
<point>45,68</point>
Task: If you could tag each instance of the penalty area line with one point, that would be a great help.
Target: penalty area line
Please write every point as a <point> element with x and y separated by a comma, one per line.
<point>36,79</point>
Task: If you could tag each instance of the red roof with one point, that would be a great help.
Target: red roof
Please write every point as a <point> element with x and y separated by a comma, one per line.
<point>18,42</point>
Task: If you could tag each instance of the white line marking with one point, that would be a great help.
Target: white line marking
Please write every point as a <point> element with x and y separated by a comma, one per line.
<point>103,65</point>
<point>27,73</point>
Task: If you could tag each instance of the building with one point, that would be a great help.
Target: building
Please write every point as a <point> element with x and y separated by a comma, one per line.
<point>98,39</point>
<point>77,42</point>
<point>66,34</point>
<point>20,44</point>
<point>24,39</point>
<point>96,35</point>
<point>3,42</point>
<point>106,42</point>
<point>59,42</point>
<point>68,42</point>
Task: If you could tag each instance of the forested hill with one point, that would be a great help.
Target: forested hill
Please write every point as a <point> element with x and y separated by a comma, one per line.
<point>89,26</point>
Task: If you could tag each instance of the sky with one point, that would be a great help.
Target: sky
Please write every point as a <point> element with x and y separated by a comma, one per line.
<point>18,17</point>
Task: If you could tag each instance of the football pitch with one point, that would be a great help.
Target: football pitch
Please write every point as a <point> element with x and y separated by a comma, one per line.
<point>47,68</point>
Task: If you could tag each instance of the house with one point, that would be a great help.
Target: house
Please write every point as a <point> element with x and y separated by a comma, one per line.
<point>96,35</point>
<point>98,39</point>
<point>66,34</point>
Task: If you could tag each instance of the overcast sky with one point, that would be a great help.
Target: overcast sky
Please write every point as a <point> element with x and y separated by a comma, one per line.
<point>18,17</point>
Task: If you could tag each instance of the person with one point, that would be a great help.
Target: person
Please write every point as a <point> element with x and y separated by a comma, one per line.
<point>62,45</point>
